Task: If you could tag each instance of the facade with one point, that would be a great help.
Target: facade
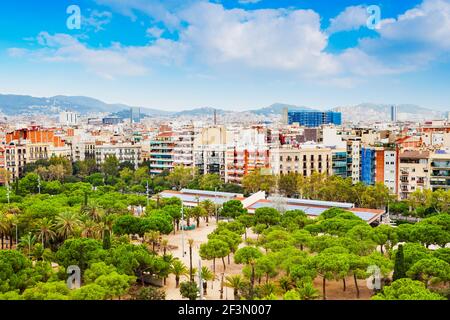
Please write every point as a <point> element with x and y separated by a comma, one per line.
<point>339,162</point>
<point>303,161</point>
<point>183,151</point>
<point>353,159</point>
<point>68,118</point>
<point>210,150</point>
<point>162,150</point>
<point>368,165</point>
<point>414,172</point>
<point>387,167</point>
<point>314,118</point>
<point>124,152</point>
<point>440,170</point>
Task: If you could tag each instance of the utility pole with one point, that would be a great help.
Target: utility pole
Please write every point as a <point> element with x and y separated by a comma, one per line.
<point>182,227</point>
<point>215,205</point>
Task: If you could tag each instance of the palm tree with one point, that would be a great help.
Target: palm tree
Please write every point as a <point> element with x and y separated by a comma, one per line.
<point>178,269</point>
<point>207,275</point>
<point>67,224</point>
<point>236,282</point>
<point>3,227</point>
<point>153,238</point>
<point>308,292</point>
<point>45,231</point>
<point>89,229</point>
<point>164,245</point>
<point>209,207</point>
<point>94,212</point>
<point>27,242</point>
<point>191,275</point>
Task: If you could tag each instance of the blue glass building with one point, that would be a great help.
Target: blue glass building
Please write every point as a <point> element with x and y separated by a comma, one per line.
<point>314,118</point>
<point>368,165</point>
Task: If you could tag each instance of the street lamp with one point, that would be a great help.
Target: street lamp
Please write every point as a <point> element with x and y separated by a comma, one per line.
<point>182,228</point>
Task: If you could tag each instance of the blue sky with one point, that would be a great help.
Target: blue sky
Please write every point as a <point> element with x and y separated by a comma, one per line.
<point>229,54</point>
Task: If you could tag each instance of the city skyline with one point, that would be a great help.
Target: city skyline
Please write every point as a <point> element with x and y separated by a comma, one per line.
<point>229,54</point>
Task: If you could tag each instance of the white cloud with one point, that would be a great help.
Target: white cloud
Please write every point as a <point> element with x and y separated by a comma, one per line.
<point>352,18</point>
<point>282,40</point>
<point>248,1</point>
<point>414,39</point>
<point>271,39</point>
<point>96,20</point>
<point>154,32</point>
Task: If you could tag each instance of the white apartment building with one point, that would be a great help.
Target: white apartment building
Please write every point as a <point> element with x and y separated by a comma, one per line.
<point>390,170</point>
<point>68,118</point>
<point>124,152</point>
<point>183,150</point>
<point>304,160</point>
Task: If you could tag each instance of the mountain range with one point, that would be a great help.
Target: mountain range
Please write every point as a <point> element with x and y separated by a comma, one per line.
<point>11,105</point>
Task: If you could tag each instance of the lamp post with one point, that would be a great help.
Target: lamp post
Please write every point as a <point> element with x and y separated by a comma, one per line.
<point>182,228</point>
<point>215,205</point>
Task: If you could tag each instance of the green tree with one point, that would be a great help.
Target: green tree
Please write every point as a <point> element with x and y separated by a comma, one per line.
<point>214,249</point>
<point>115,284</point>
<point>248,256</point>
<point>407,289</point>
<point>189,290</point>
<point>399,266</point>
<point>267,216</point>
<point>151,293</point>
<point>178,269</point>
<point>81,252</point>
<point>47,291</point>
<point>91,291</point>
<point>207,275</point>
<point>180,176</point>
<point>67,224</point>
<point>236,283</point>
<point>432,269</point>
<point>233,209</point>
<point>96,270</point>
<point>110,166</point>
<point>210,182</point>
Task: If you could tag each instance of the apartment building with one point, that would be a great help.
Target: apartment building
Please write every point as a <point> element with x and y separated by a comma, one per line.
<point>249,151</point>
<point>414,172</point>
<point>12,160</point>
<point>210,150</point>
<point>183,151</point>
<point>303,160</point>
<point>387,168</point>
<point>162,150</point>
<point>124,152</point>
<point>30,145</point>
<point>440,170</point>
<point>353,158</point>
